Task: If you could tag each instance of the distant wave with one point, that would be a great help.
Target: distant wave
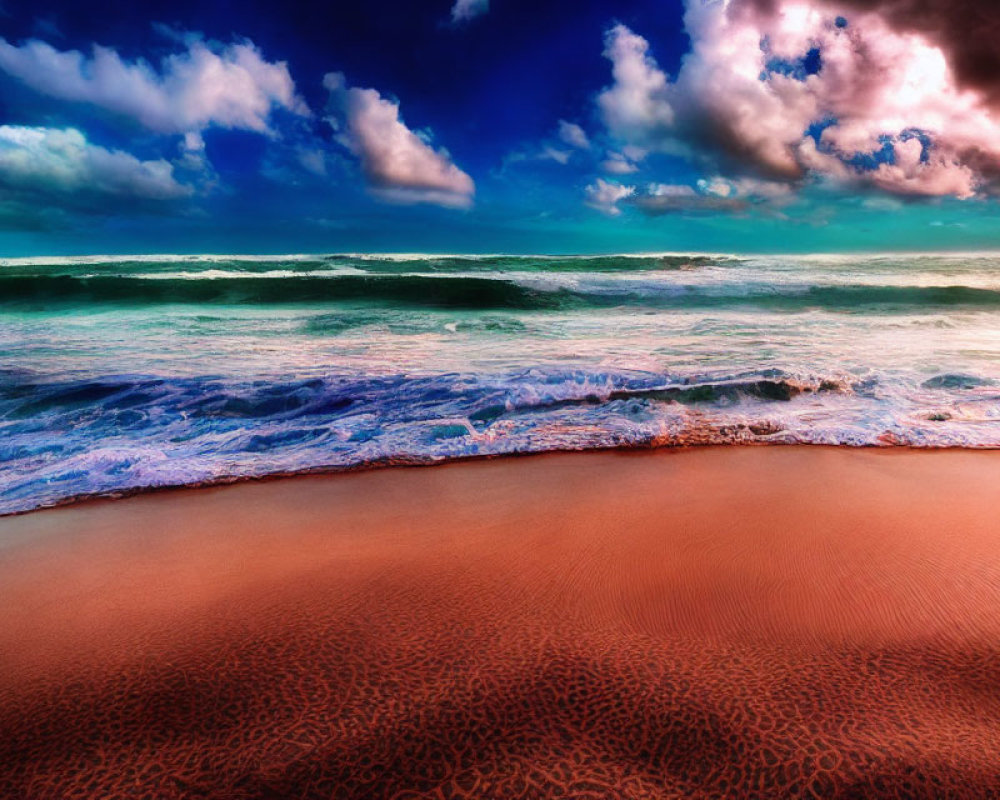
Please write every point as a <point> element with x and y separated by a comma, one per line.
<point>472,292</point>
<point>408,290</point>
<point>608,263</point>
<point>374,258</point>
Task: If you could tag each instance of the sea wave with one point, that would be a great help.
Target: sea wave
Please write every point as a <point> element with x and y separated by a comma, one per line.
<point>476,292</point>
<point>121,433</point>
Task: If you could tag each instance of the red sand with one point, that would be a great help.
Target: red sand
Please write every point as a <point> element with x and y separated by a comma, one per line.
<point>761,622</point>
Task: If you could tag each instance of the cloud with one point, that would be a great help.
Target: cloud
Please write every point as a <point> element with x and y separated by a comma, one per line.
<point>663,198</point>
<point>193,163</point>
<point>670,190</point>
<point>312,160</point>
<point>573,135</point>
<point>882,203</point>
<point>231,86</point>
<point>549,153</point>
<point>658,205</point>
<point>605,196</point>
<point>571,138</point>
<point>637,108</point>
<point>546,152</point>
<point>849,93</point>
<point>717,187</point>
<point>712,195</point>
<point>964,30</point>
<point>465,10</point>
<point>61,161</point>
<point>618,164</point>
<point>400,166</point>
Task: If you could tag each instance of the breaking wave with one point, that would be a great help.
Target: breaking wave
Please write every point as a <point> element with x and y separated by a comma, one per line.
<point>466,292</point>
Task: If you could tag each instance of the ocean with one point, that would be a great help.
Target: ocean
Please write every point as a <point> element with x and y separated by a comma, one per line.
<point>125,373</point>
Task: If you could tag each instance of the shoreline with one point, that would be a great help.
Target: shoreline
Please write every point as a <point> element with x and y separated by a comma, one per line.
<point>743,621</point>
<point>418,462</point>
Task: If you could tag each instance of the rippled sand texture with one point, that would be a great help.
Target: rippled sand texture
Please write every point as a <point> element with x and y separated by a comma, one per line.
<point>748,622</point>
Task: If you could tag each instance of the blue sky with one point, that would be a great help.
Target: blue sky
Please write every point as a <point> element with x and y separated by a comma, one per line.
<point>476,126</point>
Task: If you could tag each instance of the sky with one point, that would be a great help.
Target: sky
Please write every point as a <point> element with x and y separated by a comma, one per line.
<point>498,126</point>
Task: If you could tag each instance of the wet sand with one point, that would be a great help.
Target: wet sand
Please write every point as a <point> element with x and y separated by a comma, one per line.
<point>745,622</point>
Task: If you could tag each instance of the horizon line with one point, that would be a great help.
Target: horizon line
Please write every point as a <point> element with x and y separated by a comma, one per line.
<point>405,255</point>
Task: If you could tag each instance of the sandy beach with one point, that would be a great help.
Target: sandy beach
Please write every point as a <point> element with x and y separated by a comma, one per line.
<point>746,622</point>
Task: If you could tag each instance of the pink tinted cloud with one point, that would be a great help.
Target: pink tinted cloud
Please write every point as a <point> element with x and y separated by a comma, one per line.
<point>965,31</point>
<point>400,166</point>
<point>879,82</point>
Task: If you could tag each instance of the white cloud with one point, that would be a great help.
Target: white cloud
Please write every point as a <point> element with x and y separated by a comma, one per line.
<point>717,187</point>
<point>549,153</point>
<point>774,191</point>
<point>312,160</point>
<point>231,86</point>
<point>672,198</point>
<point>744,100</point>
<point>714,195</point>
<point>571,138</point>
<point>400,165</point>
<point>618,164</point>
<point>464,10</point>
<point>63,161</point>
<point>882,203</point>
<point>194,164</point>
<point>194,142</point>
<point>546,152</point>
<point>634,152</point>
<point>605,196</point>
<point>669,190</point>
<point>636,108</point>
<point>573,135</point>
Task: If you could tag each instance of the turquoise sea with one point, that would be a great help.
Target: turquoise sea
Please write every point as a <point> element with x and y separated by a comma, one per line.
<point>121,373</point>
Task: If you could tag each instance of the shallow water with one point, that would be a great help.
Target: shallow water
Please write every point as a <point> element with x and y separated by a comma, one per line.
<point>123,373</point>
